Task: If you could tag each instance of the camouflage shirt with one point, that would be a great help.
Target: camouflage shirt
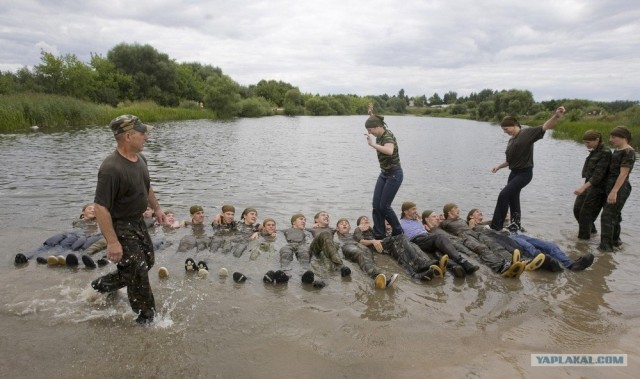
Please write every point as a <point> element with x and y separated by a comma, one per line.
<point>388,162</point>
<point>596,166</point>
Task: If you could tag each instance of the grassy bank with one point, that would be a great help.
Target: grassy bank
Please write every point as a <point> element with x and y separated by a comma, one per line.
<point>19,112</point>
<point>570,127</point>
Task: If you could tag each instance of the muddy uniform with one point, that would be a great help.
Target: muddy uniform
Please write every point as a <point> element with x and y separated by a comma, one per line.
<point>428,242</point>
<point>123,188</point>
<point>588,204</point>
<point>243,238</point>
<point>198,238</point>
<point>222,235</point>
<point>489,251</point>
<point>612,213</point>
<point>357,253</point>
<point>323,246</point>
<point>409,255</point>
<point>296,244</point>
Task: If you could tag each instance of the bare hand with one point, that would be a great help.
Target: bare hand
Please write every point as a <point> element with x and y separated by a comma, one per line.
<point>612,198</point>
<point>578,191</point>
<point>378,245</point>
<point>114,252</point>
<point>161,218</point>
<point>370,139</point>
<point>560,111</point>
<point>495,169</point>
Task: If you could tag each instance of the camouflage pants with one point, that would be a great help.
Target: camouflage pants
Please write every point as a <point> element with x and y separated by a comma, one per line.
<point>133,270</point>
<point>586,209</point>
<point>489,251</point>
<point>301,251</point>
<point>362,256</point>
<point>325,249</point>
<point>612,216</point>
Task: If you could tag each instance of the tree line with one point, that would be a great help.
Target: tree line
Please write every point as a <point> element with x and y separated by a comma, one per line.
<point>134,72</point>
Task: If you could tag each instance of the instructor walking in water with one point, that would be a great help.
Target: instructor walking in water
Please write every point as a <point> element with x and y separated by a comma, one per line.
<point>519,155</point>
<point>390,177</point>
<point>122,194</point>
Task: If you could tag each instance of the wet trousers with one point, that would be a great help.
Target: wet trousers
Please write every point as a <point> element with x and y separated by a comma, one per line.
<point>133,270</point>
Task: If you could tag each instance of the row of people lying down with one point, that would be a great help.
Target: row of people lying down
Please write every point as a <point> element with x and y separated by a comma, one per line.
<point>429,245</point>
<point>423,250</point>
<point>83,241</point>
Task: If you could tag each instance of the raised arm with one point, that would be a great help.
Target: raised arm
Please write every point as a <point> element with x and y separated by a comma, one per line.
<point>551,123</point>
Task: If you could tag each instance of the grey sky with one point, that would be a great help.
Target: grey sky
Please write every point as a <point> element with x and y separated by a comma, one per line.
<point>557,49</point>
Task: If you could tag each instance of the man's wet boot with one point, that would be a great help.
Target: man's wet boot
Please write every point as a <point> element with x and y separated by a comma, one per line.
<point>469,268</point>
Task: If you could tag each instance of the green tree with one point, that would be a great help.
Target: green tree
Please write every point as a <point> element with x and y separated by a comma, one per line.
<point>155,76</point>
<point>450,97</point>
<point>271,90</point>
<point>293,102</point>
<point>255,107</point>
<point>486,111</point>
<point>112,86</point>
<point>317,106</point>
<point>396,104</point>
<point>435,100</point>
<point>513,102</point>
<point>221,94</point>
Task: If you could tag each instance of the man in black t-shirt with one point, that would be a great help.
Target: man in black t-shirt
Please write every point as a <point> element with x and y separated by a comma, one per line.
<point>122,194</point>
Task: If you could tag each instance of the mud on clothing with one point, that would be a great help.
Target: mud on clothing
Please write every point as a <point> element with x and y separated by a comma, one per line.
<point>133,270</point>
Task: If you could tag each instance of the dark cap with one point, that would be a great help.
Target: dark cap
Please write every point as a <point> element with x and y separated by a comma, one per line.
<point>128,122</point>
<point>195,208</point>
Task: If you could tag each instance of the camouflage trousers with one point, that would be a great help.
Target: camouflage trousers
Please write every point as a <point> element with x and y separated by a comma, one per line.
<point>362,256</point>
<point>326,250</point>
<point>133,270</point>
<point>611,218</point>
<point>301,251</point>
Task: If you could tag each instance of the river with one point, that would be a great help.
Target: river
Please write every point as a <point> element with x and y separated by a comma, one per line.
<point>54,325</point>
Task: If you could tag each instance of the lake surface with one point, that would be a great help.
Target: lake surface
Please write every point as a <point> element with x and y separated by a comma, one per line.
<point>55,325</point>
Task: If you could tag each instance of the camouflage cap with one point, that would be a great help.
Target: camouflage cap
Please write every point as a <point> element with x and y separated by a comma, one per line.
<point>128,122</point>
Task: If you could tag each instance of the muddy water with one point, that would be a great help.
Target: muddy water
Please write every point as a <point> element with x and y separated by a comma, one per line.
<point>54,325</point>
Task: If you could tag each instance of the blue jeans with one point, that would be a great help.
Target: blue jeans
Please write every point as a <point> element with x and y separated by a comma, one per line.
<point>509,198</point>
<point>546,247</point>
<point>387,187</point>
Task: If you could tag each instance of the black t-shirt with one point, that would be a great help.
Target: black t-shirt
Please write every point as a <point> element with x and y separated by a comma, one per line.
<point>123,186</point>
<point>520,148</point>
<point>621,158</point>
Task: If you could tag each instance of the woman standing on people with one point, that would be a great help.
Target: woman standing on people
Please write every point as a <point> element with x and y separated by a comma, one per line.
<point>519,159</point>
<point>618,187</point>
<point>592,195</point>
<point>390,177</point>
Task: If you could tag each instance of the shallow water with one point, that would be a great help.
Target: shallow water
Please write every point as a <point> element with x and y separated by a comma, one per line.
<point>54,325</point>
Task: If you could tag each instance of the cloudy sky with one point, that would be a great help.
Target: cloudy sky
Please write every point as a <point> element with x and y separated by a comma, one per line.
<point>587,49</point>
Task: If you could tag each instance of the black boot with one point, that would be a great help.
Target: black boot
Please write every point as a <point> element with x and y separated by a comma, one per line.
<point>469,268</point>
